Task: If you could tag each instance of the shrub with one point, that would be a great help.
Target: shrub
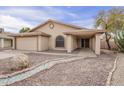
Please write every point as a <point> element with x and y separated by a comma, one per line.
<point>19,62</point>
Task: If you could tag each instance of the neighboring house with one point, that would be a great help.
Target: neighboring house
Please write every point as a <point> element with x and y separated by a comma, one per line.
<point>6,41</point>
<point>55,35</point>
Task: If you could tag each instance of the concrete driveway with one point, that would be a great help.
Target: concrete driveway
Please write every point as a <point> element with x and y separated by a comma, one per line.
<point>4,55</point>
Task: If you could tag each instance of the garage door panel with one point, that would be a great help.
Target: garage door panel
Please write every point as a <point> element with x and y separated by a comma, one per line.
<point>26,43</point>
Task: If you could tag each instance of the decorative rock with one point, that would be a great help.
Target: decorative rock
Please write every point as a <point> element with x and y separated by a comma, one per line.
<point>19,62</point>
<point>6,80</point>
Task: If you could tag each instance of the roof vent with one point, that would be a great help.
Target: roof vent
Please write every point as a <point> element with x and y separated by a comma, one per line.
<point>1,30</point>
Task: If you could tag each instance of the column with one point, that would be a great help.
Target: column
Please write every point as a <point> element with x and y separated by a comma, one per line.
<point>69,43</point>
<point>39,44</point>
<point>2,43</point>
<point>13,43</point>
<point>97,44</point>
<point>90,43</point>
<point>93,43</point>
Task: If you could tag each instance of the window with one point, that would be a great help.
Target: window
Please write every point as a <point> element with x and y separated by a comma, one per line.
<point>59,41</point>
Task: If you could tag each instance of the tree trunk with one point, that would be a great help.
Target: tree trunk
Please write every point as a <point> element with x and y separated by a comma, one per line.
<point>107,40</point>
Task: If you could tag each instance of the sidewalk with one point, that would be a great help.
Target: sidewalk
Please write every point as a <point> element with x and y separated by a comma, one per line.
<point>118,75</point>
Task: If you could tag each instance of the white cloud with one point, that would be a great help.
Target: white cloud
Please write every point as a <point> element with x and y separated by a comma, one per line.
<point>62,13</point>
<point>88,23</point>
<point>38,14</point>
<point>14,18</point>
<point>28,13</point>
<point>8,22</point>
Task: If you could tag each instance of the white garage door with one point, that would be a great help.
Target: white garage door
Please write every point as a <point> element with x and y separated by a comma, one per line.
<point>26,43</point>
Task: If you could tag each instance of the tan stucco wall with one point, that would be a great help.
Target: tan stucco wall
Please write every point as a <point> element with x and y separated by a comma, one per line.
<point>69,43</point>
<point>7,43</point>
<point>72,43</point>
<point>97,44</point>
<point>93,43</point>
<point>41,43</point>
<point>36,43</point>
<point>90,43</point>
<point>75,44</point>
<point>26,43</point>
<point>56,31</point>
<point>44,43</point>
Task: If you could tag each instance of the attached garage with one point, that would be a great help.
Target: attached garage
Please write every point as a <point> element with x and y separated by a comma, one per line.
<point>37,41</point>
<point>26,43</point>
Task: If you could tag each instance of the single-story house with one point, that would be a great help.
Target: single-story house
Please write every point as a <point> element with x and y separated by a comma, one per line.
<point>54,35</point>
<point>6,41</point>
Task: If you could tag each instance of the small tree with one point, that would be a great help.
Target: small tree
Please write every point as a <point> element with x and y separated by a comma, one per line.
<point>102,22</point>
<point>116,19</point>
<point>24,29</point>
<point>110,21</point>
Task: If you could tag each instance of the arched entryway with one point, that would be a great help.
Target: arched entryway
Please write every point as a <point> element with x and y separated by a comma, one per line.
<point>59,41</point>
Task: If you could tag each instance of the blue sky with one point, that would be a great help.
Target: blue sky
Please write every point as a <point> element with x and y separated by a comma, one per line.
<point>14,18</point>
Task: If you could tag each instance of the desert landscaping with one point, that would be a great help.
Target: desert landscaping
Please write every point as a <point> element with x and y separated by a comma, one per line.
<point>83,72</point>
<point>88,70</point>
<point>62,52</point>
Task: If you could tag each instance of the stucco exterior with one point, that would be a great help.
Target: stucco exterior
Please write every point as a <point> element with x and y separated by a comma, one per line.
<point>56,31</point>
<point>34,43</point>
<point>43,43</point>
<point>6,41</point>
<point>72,37</point>
<point>26,43</point>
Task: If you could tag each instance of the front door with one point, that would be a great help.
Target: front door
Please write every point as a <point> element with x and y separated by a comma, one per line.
<point>82,43</point>
<point>85,43</point>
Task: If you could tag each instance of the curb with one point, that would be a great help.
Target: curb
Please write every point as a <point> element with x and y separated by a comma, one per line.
<point>108,82</point>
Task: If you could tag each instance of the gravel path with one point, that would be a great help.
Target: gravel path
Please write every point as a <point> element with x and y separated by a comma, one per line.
<point>88,71</point>
<point>34,59</point>
<point>118,75</point>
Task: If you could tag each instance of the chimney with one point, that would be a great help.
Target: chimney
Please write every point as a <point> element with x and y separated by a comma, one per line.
<point>1,30</point>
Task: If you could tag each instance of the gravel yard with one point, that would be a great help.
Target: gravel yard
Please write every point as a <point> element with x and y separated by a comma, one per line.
<point>87,71</point>
<point>34,59</point>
